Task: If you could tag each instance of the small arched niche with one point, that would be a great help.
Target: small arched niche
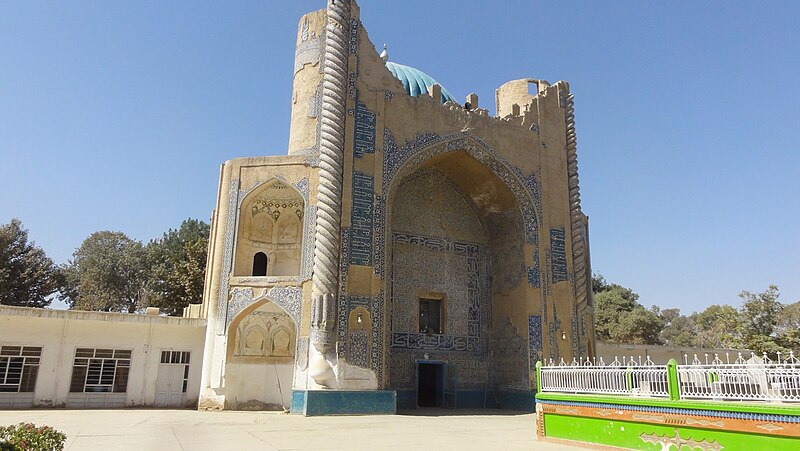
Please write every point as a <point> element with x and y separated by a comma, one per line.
<point>259,364</point>
<point>266,331</point>
<point>260,262</point>
<point>270,233</point>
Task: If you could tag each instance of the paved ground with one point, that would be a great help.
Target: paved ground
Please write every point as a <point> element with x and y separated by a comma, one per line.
<point>193,430</point>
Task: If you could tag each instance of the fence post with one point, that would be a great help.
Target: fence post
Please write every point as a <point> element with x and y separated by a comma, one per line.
<point>672,380</point>
<point>629,379</point>
<point>538,376</point>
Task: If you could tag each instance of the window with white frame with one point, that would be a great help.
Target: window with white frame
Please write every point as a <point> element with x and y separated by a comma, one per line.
<point>178,358</point>
<point>100,370</point>
<point>19,366</point>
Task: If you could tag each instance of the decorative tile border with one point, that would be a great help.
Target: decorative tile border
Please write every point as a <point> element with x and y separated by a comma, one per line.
<point>287,298</point>
<point>758,423</point>
<point>427,145</point>
<point>227,256</point>
<point>308,52</point>
<point>558,254</point>
<point>436,342</point>
<point>534,342</point>
<point>361,219</point>
<point>364,130</point>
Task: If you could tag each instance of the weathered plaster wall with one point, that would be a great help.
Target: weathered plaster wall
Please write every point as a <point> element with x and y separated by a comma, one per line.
<point>307,85</point>
<point>227,294</point>
<point>261,351</point>
<point>60,332</point>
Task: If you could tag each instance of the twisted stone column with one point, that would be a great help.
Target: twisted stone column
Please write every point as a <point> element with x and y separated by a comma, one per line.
<point>329,199</point>
<point>575,213</point>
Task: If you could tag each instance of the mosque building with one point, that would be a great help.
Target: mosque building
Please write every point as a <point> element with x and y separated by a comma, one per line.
<point>408,247</point>
<point>410,250</point>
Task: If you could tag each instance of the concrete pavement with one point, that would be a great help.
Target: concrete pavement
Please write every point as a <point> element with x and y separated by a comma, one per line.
<point>165,430</point>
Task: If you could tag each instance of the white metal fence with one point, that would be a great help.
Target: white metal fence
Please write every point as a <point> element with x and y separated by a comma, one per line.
<point>627,377</point>
<point>752,379</point>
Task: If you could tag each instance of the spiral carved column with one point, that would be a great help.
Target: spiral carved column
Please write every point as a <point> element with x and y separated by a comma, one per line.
<point>579,251</point>
<point>329,199</point>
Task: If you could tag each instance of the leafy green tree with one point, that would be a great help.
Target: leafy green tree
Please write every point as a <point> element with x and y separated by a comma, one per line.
<point>179,265</point>
<point>108,272</point>
<point>679,330</point>
<point>620,318</point>
<point>27,276</point>
<point>760,314</point>
<point>639,326</point>
<point>788,328</point>
<point>718,326</point>
<point>599,284</point>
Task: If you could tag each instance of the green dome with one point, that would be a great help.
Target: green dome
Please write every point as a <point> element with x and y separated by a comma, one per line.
<point>415,81</point>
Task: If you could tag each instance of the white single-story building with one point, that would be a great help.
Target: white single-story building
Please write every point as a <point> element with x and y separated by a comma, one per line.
<point>78,359</point>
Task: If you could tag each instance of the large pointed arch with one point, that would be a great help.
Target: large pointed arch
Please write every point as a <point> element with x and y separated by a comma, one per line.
<point>402,162</point>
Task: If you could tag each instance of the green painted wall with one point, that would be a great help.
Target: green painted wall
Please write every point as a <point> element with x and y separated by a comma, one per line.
<point>628,435</point>
<point>722,406</point>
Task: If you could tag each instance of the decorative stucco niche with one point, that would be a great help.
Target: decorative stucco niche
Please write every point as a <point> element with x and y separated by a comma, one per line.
<point>260,358</point>
<point>271,226</point>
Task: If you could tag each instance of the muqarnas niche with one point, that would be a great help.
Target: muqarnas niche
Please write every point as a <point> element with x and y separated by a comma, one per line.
<point>270,233</point>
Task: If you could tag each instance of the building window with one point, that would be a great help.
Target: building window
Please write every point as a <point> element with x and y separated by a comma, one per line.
<point>100,370</point>
<point>19,366</point>
<point>430,315</point>
<point>260,264</point>
<point>178,358</point>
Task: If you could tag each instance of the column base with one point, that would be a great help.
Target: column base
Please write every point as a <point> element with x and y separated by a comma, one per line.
<point>344,402</point>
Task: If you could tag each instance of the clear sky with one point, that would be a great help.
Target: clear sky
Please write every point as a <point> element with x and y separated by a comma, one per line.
<point>116,115</point>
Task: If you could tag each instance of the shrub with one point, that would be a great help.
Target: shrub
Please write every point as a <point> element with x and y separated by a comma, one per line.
<point>28,436</point>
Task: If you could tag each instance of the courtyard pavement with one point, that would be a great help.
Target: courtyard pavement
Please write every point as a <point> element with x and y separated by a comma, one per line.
<point>143,429</point>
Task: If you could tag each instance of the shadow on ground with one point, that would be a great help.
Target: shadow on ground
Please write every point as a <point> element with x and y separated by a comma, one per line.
<point>442,412</point>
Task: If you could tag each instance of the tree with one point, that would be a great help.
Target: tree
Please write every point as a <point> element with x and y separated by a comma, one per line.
<point>599,284</point>
<point>760,315</point>
<point>27,276</point>
<point>639,326</point>
<point>179,265</point>
<point>108,272</point>
<point>718,326</point>
<point>620,318</point>
<point>788,328</point>
<point>679,330</point>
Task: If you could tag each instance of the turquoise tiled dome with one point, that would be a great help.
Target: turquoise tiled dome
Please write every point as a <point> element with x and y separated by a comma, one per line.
<point>415,81</point>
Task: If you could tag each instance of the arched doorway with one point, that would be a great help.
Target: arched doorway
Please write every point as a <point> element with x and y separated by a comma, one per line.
<point>259,367</point>
<point>260,264</point>
<point>459,296</point>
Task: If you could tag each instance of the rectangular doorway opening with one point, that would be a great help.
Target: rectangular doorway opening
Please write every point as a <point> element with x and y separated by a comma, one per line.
<point>430,384</point>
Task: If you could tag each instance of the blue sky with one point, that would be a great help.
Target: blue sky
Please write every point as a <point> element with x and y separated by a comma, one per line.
<point>116,115</point>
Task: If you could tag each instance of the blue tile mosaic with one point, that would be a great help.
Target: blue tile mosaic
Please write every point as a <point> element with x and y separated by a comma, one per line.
<point>533,271</point>
<point>534,340</point>
<point>364,139</point>
<point>361,220</point>
<point>558,255</point>
<point>435,342</point>
<point>354,24</point>
<point>359,349</point>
